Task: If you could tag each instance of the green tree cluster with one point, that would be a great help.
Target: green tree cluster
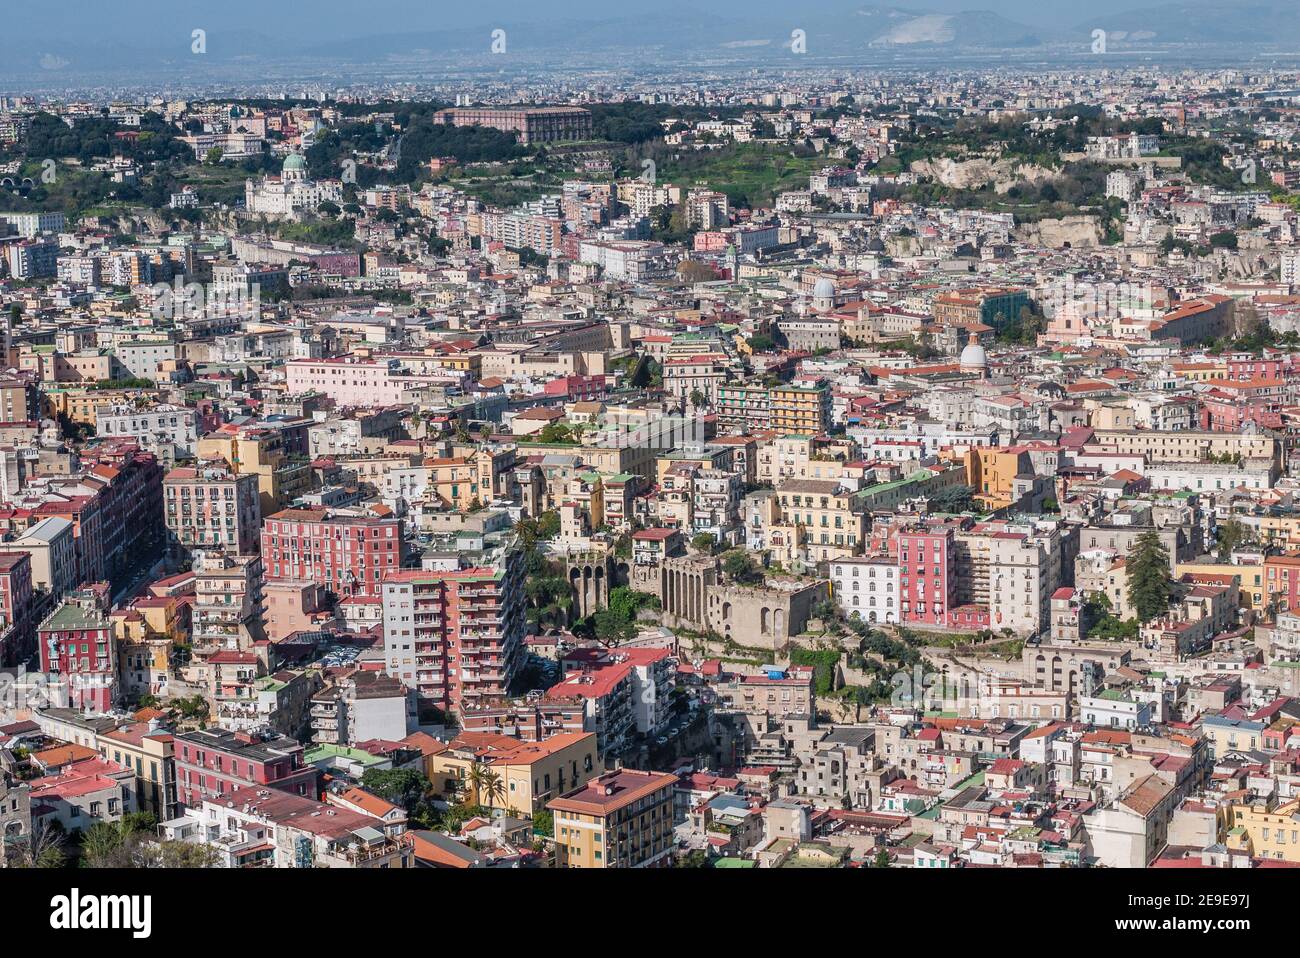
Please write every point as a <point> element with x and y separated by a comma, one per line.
<point>823,662</point>
<point>1149,582</point>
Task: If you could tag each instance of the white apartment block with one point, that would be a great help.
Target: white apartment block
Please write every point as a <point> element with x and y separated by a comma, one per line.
<point>1290,263</point>
<point>29,224</point>
<point>1211,477</point>
<point>1114,713</point>
<point>165,423</point>
<point>631,260</point>
<point>867,587</point>
<point>351,382</point>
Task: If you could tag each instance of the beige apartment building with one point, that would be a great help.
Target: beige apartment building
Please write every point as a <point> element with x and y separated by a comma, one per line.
<point>530,774</point>
<point>1268,830</point>
<point>623,819</point>
<point>1186,445</point>
<point>833,523</point>
<point>149,753</point>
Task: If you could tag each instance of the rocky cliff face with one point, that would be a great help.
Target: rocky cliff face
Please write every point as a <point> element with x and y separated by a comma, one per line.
<point>1030,173</point>
<point>977,173</point>
<point>140,219</point>
<point>901,247</point>
<point>1072,231</point>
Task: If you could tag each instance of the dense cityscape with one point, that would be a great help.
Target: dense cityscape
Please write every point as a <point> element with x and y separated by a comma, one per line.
<point>709,469</point>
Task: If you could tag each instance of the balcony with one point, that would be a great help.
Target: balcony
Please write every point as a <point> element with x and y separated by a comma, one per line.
<point>361,855</point>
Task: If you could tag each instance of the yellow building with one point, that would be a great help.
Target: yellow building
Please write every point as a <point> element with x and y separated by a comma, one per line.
<point>1187,445</point>
<point>1232,735</point>
<point>1267,833</point>
<point>527,774</point>
<point>799,409</point>
<point>785,543</point>
<point>91,366</point>
<point>79,405</point>
<point>149,753</point>
<point>145,635</point>
<point>622,819</point>
<point>800,457</point>
<point>155,617</point>
<point>991,471</point>
<point>1281,531</point>
<point>614,459</point>
<point>457,481</point>
<point>260,452</point>
<point>1110,415</point>
<point>19,400</point>
<point>832,521</point>
<point>587,491</point>
<point>492,465</point>
<point>674,458</point>
<point>1199,372</point>
<point>471,363</point>
<point>1250,579</point>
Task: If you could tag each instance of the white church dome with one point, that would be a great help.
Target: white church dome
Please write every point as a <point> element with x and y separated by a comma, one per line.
<point>973,356</point>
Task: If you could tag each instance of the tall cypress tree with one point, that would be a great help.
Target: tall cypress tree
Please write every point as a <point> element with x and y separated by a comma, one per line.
<point>1149,585</point>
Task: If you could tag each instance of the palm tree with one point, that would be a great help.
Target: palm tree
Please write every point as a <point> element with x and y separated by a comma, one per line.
<point>477,779</point>
<point>493,788</point>
<point>526,530</point>
<point>103,843</point>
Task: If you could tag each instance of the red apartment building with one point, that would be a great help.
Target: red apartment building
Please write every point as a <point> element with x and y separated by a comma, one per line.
<point>77,647</point>
<point>212,763</point>
<point>85,514</point>
<point>1248,366</point>
<point>576,387</point>
<point>926,575</point>
<point>16,627</point>
<point>115,507</point>
<point>534,719</point>
<point>1282,581</point>
<point>1230,403</point>
<point>348,555</point>
<point>131,488</point>
<point>1222,412</point>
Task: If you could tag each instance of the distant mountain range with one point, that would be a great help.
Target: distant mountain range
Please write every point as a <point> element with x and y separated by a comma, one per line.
<point>856,29</point>
<point>847,31</point>
<point>1270,23</point>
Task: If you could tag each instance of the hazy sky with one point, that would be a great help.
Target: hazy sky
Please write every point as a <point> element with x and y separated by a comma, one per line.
<point>80,21</point>
<point>63,43</point>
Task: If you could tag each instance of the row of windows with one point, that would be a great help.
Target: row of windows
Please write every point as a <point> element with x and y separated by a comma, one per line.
<point>289,530</point>
<point>889,601</point>
<point>217,492</point>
